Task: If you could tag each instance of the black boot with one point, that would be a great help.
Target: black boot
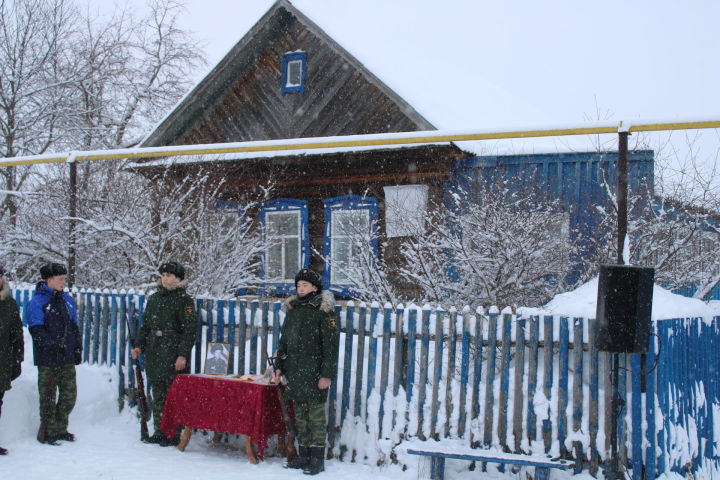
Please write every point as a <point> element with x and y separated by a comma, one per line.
<point>301,459</point>
<point>156,437</point>
<point>317,461</point>
<point>67,437</point>
<point>3,451</point>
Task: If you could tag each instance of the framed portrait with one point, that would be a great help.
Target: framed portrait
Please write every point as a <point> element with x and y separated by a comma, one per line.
<point>217,358</point>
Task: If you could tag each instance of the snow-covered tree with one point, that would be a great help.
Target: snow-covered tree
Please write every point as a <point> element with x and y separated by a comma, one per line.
<point>499,246</point>
<point>674,223</point>
<point>36,76</point>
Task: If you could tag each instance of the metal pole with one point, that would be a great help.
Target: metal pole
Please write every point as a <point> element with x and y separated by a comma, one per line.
<point>614,472</point>
<point>71,226</point>
<point>622,196</point>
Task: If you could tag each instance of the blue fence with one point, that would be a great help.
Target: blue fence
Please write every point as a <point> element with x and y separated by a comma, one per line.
<point>499,380</point>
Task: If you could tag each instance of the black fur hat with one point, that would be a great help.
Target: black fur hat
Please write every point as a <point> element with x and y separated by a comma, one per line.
<point>310,276</point>
<point>52,270</point>
<point>173,267</point>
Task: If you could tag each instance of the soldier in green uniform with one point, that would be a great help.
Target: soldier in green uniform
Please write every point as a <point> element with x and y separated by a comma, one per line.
<point>307,357</point>
<point>166,338</point>
<point>11,340</point>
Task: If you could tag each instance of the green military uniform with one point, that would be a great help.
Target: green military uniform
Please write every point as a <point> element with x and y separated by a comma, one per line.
<point>307,352</point>
<point>11,339</point>
<point>168,331</point>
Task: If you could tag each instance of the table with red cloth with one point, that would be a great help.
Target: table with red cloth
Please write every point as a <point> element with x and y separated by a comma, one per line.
<point>223,404</point>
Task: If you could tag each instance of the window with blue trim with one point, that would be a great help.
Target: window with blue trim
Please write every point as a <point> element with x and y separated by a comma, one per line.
<point>284,223</point>
<point>294,72</point>
<point>350,235</point>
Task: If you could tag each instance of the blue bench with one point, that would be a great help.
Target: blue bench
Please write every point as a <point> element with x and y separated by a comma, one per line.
<point>438,454</point>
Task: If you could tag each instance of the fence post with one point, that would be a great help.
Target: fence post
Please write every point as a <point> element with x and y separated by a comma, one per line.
<point>231,335</point>
<point>577,391</point>
<point>549,346</point>
<point>422,384</point>
<point>384,362</point>
<point>594,411</point>
<point>464,370</point>
<point>122,340</point>
<point>437,372</point>
<point>347,359</point>
<point>519,375</point>
<point>563,380</point>
<point>360,361</point>
<point>253,337</point>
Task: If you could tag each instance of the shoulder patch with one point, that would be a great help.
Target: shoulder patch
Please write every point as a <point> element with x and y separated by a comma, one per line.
<point>189,310</point>
<point>333,322</point>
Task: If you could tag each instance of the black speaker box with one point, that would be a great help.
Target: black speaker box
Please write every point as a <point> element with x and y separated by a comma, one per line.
<point>624,305</point>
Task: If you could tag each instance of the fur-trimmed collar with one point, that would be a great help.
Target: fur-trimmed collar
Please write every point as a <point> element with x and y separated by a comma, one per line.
<point>327,303</point>
<point>181,284</point>
<point>5,290</point>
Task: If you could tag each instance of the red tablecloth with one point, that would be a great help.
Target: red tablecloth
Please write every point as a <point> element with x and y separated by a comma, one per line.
<point>222,404</point>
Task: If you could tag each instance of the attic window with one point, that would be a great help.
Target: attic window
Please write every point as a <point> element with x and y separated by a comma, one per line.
<point>294,71</point>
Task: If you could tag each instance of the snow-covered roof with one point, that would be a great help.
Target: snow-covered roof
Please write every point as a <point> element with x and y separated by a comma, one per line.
<point>229,157</point>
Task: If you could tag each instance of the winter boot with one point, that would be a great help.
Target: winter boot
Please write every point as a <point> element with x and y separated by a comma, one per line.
<point>66,437</point>
<point>156,437</point>
<point>301,459</point>
<point>317,461</point>
<point>3,451</point>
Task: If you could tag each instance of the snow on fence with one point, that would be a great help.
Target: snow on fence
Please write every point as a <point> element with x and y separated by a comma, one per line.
<point>498,380</point>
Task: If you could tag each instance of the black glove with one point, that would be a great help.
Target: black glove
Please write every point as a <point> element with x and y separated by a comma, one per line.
<point>16,371</point>
<point>78,357</point>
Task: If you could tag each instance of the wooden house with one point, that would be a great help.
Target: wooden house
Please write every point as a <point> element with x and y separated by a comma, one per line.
<point>286,78</point>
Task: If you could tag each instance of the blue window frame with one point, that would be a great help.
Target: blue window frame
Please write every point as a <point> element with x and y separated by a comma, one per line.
<point>347,220</point>
<point>294,72</point>
<point>284,223</point>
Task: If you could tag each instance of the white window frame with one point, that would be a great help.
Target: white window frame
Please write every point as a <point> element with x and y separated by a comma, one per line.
<point>283,249</point>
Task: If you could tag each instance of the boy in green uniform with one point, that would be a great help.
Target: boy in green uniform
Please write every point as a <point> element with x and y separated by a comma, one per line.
<point>166,338</point>
<point>11,340</point>
<point>307,357</point>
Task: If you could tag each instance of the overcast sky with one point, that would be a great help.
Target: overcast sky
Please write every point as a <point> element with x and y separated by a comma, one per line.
<point>486,64</point>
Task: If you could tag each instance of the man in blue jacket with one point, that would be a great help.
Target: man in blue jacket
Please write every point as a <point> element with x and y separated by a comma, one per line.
<point>57,348</point>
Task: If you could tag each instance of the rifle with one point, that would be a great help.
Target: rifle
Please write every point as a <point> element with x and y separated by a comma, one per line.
<point>285,409</point>
<point>140,391</point>
<point>47,410</point>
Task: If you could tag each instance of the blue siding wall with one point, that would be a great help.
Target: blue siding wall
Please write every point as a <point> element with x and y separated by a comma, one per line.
<point>577,179</point>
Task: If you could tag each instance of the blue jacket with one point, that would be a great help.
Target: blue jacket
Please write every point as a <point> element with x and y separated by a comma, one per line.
<point>52,322</point>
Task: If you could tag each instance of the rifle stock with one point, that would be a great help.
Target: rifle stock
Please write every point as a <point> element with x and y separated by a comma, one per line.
<point>140,390</point>
<point>287,419</point>
<point>289,424</point>
<point>142,402</point>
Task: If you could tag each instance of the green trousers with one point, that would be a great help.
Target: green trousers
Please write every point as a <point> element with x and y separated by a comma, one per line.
<point>311,424</point>
<point>58,391</point>
<point>159,394</point>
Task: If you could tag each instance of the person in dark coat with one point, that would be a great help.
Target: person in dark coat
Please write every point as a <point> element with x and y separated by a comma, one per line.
<point>307,357</point>
<point>12,347</point>
<point>166,338</point>
<point>57,348</point>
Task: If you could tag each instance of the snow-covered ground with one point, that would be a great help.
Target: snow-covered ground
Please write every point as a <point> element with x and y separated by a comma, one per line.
<point>108,445</point>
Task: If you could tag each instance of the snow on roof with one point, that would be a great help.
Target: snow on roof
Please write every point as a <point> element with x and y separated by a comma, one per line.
<point>582,302</point>
<point>228,157</point>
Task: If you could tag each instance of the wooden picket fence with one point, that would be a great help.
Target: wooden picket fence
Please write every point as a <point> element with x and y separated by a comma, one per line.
<point>524,384</point>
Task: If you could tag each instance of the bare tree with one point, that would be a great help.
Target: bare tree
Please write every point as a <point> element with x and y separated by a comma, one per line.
<point>674,222</point>
<point>35,78</point>
<point>499,246</point>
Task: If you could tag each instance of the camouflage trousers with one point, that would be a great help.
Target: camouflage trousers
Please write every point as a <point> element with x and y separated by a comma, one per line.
<point>159,394</point>
<point>58,391</point>
<point>310,423</point>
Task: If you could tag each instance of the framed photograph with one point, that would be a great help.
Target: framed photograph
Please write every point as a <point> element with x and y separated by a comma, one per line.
<point>217,358</point>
